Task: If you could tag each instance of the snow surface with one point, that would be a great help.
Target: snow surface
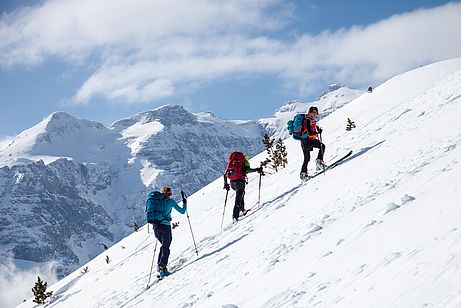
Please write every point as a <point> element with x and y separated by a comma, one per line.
<point>380,230</point>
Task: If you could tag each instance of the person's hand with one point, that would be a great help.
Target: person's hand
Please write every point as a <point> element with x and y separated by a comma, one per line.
<point>226,186</point>
<point>184,197</point>
<point>319,130</point>
<point>260,170</point>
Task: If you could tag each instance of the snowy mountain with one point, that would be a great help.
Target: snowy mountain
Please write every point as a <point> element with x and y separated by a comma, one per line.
<point>380,230</point>
<point>332,99</point>
<point>70,186</point>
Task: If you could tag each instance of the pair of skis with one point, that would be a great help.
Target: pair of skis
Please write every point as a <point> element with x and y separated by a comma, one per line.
<point>331,166</point>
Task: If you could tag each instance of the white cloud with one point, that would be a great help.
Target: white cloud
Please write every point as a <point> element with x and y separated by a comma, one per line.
<point>16,283</point>
<point>155,49</point>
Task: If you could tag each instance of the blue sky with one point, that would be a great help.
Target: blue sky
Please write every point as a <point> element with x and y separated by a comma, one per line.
<point>108,59</point>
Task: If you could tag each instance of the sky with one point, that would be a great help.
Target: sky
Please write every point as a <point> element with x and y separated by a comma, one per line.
<point>241,59</point>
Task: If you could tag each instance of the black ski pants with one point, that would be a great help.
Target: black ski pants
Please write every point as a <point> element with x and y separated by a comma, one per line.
<point>307,145</point>
<point>239,187</point>
<point>164,236</point>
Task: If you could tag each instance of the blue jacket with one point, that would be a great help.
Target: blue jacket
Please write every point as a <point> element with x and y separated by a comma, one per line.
<point>167,206</point>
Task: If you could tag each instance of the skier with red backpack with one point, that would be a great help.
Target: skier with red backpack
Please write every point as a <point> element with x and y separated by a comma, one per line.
<point>304,128</point>
<point>236,171</point>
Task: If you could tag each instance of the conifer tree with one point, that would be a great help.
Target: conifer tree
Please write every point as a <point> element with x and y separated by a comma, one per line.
<point>40,293</point>
<point>277,155</point>
<point>350,125</point>
<point>84,270</point>
<point>268,143</point>
<point>282,155</point>
<point>107,259</point>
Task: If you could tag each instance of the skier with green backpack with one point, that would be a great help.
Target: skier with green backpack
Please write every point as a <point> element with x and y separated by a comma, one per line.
<point>158,212</point>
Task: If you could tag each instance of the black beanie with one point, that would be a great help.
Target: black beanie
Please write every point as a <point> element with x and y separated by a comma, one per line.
<point>313,108</point>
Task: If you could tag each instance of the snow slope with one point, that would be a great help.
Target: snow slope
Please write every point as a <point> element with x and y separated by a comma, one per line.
<point>380,230</point>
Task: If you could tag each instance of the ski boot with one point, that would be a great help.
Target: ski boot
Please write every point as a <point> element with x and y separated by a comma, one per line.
<point>162,271</point>
<point>320,164</point>
<point>304,176</point>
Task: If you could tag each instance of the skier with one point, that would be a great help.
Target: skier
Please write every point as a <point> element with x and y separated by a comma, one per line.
<point>158,209</point>
<point>312,141</point>
<point>236,170</point>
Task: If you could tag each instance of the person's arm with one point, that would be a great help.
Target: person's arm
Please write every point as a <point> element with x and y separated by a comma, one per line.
<point>248,169</point>
<point>312,128</point>
<point>182,209</point>
<point>319,129</point>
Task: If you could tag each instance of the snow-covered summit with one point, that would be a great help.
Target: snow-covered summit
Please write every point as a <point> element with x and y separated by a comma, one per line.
<point>380,230</point>
<point>334,98</point>
<point>62,135</point>
<point>331,88</point>
<point>168,115</point>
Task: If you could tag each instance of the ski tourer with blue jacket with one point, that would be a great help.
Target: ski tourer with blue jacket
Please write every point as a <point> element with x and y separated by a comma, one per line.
<point>158,212</point>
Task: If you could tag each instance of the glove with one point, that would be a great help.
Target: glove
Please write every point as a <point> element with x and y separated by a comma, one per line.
<point>226,186</point>
<point>319,130</point>
<point>184,197</point>
<point>259,170</point>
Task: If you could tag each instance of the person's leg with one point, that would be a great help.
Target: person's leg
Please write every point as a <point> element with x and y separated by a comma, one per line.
<point>317,144</point>
<point>306,146</point>
<point>164,236</point>
<point>240,195</point>
<point>239,187</point>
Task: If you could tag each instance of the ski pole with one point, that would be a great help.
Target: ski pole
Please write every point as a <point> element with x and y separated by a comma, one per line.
<point>152,265</point>
<point>321,151</point>
<point>193,239</point>
<point>259,193</point>
<point>183,194</point>
<point>225,202</point>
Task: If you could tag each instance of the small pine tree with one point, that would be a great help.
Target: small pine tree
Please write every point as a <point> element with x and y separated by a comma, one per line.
<point>174,225</point>
<point>136,227</point>
<point>282,155</point>
<point>40,293</point>
<point>277,155</point>
<point>268,143</point>
<point>350,125</point>
<point>84,270</point>
<point>107,259</point>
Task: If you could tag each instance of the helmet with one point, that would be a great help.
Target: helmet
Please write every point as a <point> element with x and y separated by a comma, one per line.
<point>313,109</point>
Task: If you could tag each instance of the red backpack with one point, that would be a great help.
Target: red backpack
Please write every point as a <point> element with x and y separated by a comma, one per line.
<point>235,169</point>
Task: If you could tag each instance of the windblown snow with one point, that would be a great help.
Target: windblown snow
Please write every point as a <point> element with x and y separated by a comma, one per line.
<point>383,229</point>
